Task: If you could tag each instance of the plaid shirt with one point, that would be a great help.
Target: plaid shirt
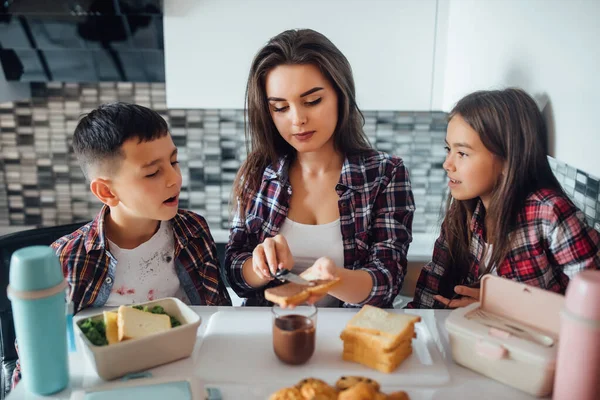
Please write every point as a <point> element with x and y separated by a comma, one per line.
<point>89,268</point>
<point>376,208</point>
<point>551,243</point>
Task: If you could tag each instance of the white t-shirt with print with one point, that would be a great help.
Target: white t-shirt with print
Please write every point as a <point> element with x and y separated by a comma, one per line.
<point>147,272</point>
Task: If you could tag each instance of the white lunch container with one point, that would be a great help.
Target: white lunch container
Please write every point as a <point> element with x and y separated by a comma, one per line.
<point>115,360</point>
<point>511,335</point>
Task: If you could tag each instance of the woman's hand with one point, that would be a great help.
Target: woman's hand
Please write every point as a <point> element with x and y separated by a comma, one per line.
<point>324,268</point>
<point>469,296</point>
<point>270,256</point>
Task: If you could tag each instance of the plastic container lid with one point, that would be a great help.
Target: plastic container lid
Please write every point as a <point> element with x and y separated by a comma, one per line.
<point>583,295</point>
<point>171,390</point>
<point>35,268</point>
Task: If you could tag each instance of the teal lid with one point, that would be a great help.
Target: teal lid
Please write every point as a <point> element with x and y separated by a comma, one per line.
<point>34,268</point>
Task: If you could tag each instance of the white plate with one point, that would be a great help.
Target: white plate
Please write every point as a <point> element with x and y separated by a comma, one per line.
<point>237,348</point>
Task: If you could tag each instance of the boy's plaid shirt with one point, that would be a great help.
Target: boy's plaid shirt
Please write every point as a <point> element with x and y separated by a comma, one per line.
<point>551,243</point>
<point>85,261</point>
<point>376,208</point>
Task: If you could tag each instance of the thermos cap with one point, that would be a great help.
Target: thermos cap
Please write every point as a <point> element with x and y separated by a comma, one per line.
<point>34,268</point>
<point>583,295</point>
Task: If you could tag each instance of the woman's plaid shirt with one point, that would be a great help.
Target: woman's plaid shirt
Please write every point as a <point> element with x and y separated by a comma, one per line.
<point>376,208</point>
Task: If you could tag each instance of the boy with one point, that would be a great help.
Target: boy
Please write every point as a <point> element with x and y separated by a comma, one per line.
<point>140,247</point>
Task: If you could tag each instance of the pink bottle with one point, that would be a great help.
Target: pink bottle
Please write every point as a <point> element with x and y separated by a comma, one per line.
<point>578,363</point>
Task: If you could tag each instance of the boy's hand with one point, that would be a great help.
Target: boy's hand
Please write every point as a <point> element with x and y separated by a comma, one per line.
<point>469,296</point>
<point>270,256</point>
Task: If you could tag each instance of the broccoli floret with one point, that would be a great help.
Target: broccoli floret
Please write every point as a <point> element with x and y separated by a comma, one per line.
<point>174,322</point>
<point>95,331</point>
<point>157,310</point>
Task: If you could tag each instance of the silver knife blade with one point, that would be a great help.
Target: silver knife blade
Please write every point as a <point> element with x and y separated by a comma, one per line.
<point>286,275</point>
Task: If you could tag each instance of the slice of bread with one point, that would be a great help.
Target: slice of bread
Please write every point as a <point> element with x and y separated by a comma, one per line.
<point>386,358</point>
<point>133,323</point>
<point>294,294</point>
<point>389,356</point>
<point>376,321</point>
<point>112,330</point>
<point>374,342</point>
<point>373,362</point>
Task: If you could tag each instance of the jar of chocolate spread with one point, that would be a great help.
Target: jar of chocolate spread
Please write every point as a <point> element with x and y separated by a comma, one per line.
<point>294,333</point>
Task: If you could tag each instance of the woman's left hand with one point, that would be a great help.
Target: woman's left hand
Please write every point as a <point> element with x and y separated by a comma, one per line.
<point>469,296</point>
<point>324,268</point>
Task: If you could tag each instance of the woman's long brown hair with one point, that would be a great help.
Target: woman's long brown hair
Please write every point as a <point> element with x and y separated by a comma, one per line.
<point>511,126</point>
<point>293,47</point>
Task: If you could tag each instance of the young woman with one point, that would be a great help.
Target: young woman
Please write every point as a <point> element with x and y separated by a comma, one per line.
<point>506,213</point>
<point>313,196</point>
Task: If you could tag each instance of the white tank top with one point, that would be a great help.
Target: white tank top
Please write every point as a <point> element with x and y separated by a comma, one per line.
<point>310,242</point>
<point>488,257</point>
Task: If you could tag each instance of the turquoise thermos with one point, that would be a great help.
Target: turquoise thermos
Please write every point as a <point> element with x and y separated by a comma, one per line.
<point>37,293</point>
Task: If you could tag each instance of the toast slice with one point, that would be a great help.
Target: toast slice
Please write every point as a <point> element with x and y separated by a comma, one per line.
<point>373,320</point>
<point>386,358</point>
<point>378,343</point>
<point>293,294</point>
<point>133,323</point>
<point>370,361</point>
<point>112,330</point>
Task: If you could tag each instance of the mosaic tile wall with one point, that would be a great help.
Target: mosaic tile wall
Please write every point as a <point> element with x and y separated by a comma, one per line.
<point>41,183</point>
<point>583,188</point>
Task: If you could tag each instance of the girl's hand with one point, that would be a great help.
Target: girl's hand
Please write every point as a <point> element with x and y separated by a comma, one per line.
<point>270,256</point>
<point>469,296</point>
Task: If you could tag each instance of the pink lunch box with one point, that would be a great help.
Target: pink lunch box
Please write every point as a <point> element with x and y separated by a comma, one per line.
<point>511,335</point>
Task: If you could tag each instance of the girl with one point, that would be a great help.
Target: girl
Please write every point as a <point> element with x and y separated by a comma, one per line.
<point>313,196</point>
<point>506,213</point>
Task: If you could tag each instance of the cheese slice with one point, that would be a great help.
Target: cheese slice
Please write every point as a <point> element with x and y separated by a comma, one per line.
<point>133,323</point>
<point>110,322</point>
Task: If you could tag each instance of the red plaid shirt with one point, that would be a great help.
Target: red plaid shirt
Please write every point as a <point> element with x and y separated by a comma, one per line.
<point>376,208</point>
<point>87,264</point>
<point>551,243</point>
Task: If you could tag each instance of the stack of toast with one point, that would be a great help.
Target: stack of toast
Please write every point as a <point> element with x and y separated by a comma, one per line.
<point>379,339</point>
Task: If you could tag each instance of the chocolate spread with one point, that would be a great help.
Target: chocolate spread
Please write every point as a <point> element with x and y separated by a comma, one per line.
<point>293,339</point>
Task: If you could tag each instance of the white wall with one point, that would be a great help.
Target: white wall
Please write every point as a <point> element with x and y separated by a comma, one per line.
<point>551,48</point>
<point>209,46</point>
<point>12,91</point>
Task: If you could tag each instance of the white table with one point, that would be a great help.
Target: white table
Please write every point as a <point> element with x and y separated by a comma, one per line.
<point>464,384</point>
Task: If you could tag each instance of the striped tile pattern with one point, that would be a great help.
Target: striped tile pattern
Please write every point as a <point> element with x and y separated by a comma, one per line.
<point>41,183</point>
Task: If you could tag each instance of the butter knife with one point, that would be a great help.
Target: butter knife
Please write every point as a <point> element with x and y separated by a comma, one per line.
<point>287,275</point>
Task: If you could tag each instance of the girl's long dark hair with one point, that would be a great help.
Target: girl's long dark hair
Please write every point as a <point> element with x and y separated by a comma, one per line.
<point>511,126</point>
<point>293,47</point>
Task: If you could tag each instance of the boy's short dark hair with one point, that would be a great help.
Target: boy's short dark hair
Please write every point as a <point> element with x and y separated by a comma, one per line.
<point>100,134</point>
